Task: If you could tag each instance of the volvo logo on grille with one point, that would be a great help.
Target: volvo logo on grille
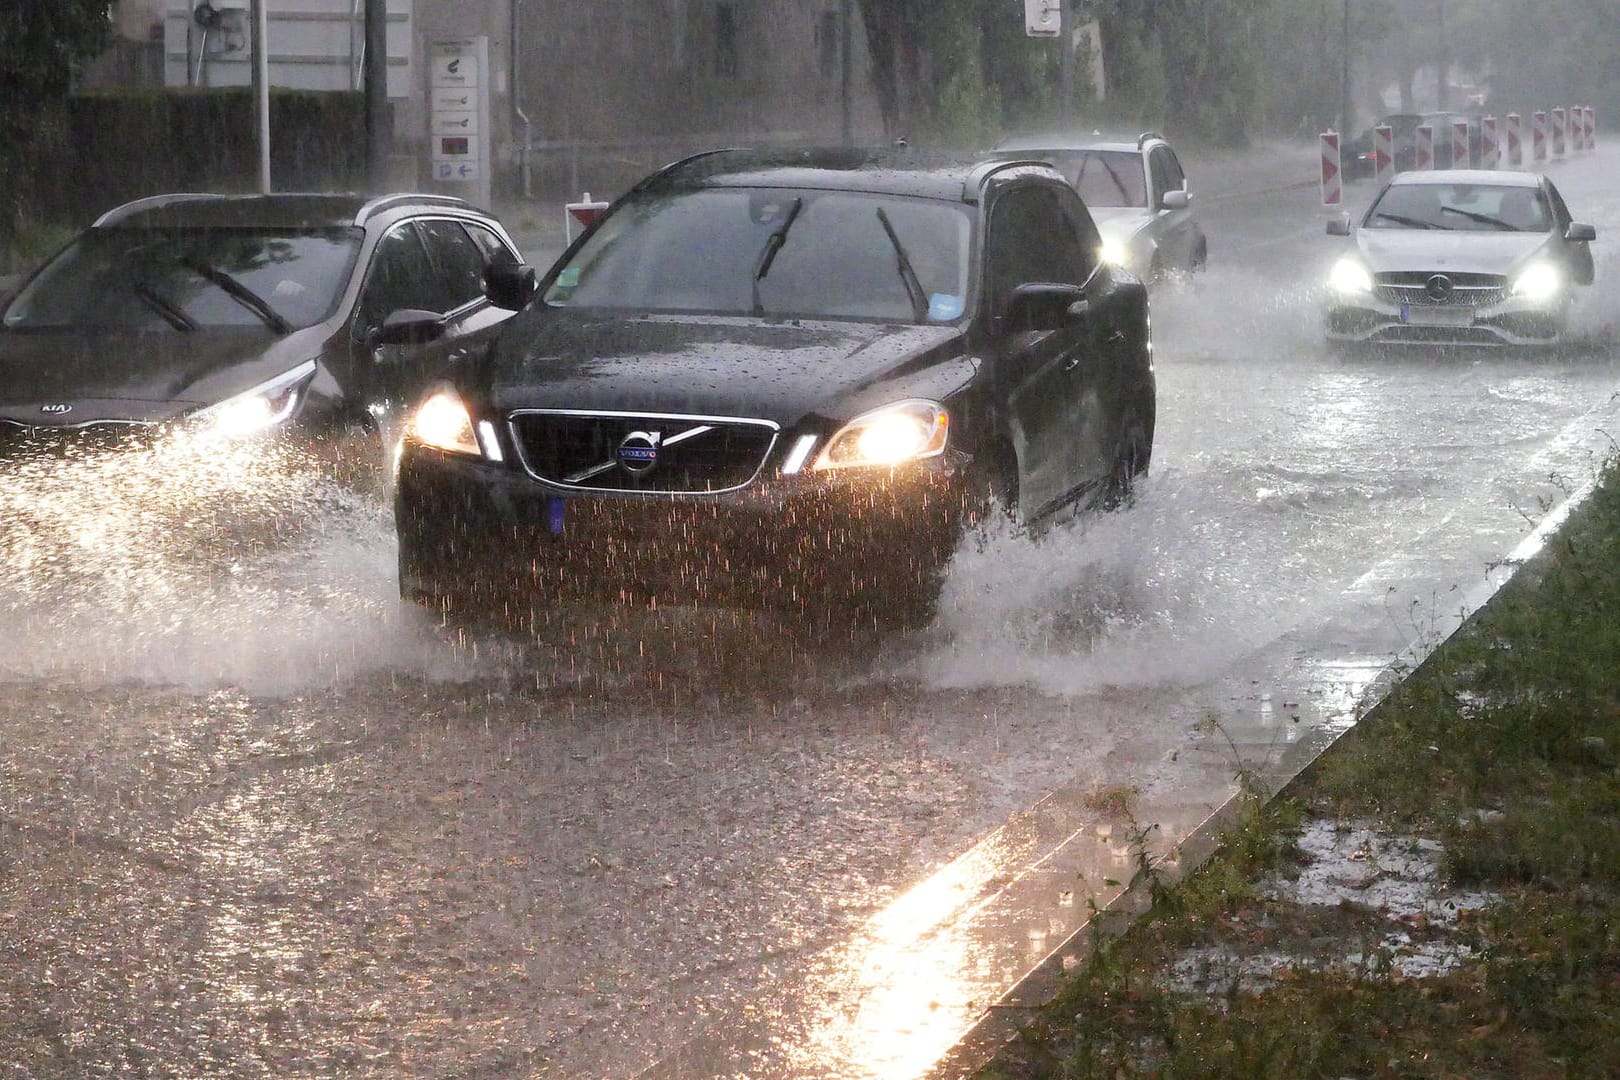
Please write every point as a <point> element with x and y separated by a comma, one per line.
<point>638,451</point>
<point>56,408</point>
<point>1439,288</point>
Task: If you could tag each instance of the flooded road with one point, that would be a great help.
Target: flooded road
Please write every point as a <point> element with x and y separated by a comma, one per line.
<point>259,819</point>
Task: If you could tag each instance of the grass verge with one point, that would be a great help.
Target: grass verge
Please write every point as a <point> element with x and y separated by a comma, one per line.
<point>1486,789</point>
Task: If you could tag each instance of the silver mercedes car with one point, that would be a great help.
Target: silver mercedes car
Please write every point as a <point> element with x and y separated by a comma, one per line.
<point>1459,257</point>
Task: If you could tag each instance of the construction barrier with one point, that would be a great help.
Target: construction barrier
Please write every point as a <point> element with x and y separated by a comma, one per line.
<point>584,213</point>
<point>1424,146</point>
<point>1383,152</point>
<point>1515,148</point>
<point>1538,137</point>
<point>1490,152</point>
<point>1460,158</point>
<point>1332,176</point>
<point>1591,128</point>
<point>1577,127</point>
<point>1558,129</point>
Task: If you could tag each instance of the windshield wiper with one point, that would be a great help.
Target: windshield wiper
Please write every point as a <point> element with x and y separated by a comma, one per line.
<point>163,306</point>
<point>240,293</point>
<point>908,273</point>
<point>1483,219</point>
<point>767,254</point>
<point>1409,222</point>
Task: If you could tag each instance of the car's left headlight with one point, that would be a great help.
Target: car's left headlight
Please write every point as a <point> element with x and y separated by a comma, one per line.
<point>270,404</point>
<point>1538,281</point>
<point>905,431</point>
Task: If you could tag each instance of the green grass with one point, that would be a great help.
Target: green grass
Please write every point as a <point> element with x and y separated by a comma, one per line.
<point>1504,746</point>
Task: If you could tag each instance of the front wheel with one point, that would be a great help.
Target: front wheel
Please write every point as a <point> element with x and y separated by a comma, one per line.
<point>1132,450</point>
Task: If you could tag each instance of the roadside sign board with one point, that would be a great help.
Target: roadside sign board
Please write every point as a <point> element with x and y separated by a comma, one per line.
<point>458,117</point>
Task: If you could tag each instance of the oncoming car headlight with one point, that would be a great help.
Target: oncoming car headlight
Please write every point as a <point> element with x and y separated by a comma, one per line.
<point>265,406</point>
<point>1114,253</point>
<point>1350,277</point>
<point>1538,281</point>
<point>443,423</point>
<point>904,431</point>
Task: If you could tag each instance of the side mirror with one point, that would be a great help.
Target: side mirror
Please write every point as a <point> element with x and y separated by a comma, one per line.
<point>1339,226</point>
<point>1579,232</point>
<point>1041,305</point>
<point>510,286</point>
<point>1179,199</point>
<point>409,326</point>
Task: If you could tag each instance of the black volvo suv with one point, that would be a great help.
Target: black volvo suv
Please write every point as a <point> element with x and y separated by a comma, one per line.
<point>781,378</point>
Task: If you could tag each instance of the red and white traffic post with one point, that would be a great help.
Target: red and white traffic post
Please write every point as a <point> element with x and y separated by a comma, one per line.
<point>584,212</point>
<point>1459,145</point>
<point>1332,176</point>
<point>1515,145</point>
<point>1582,141</point>
<point>1591,128</point>
<point>1490,152</point>
<point>1538,136</point>
<point>1383,152</point>
<point>1424,148</point>
<point>1558,129</point>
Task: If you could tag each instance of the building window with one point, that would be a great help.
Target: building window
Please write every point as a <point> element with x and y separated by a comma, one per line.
<point>725,40</point>
<point>829,41</point>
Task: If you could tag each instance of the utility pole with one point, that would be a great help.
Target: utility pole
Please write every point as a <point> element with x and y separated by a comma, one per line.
<point>1066,59</point>
<point>1344,74</point>
<point>1440,56</point>
<point>261,88</point>
<point>846,72</point>
<point>378,135</point>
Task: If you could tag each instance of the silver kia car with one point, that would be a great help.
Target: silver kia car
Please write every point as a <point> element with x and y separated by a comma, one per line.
<point>1459,257</point>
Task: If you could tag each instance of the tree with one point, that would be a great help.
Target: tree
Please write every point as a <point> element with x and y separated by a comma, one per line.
<point>42,44</point>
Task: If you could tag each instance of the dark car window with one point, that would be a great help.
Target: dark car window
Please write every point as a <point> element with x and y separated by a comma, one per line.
<point>127,278</point>
<point>1105,177</point>
<point>1033,238</point>
<point>457,258</point>
<point>1461,207</point>
<point>494,250</point>
<point>1163,179</point>
<point>699,250</point>
<point>401,277</point>
<point>1561,213</point>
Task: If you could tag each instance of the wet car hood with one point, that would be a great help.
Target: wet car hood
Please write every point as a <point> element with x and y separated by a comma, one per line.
<point>147,376</point>
<point>1431,249</point>
<point>707,366</point>
<point>1119,222</point>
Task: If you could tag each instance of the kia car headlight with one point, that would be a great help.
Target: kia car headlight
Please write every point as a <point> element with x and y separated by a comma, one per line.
<point>1538,281</point>
<point>895,434</point>
<point>1350,277</point>
<point>268,405</point>
<point>443,423</point>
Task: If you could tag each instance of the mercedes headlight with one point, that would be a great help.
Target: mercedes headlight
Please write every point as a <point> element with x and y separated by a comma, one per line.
<point>443,423</point>
<point>1538,281</point>
<point>271,403</point>
<point>904,431</point>
<point>1350,277</point>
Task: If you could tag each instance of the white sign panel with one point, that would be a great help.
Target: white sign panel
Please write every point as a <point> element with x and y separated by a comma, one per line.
<point>458,116</point>
<point>1043,18</point>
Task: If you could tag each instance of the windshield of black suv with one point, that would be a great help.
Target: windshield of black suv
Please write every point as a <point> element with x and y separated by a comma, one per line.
<point>1103,177</point>
<point>1461,207</point>
<point>777,253</point>
<point>186,279</point>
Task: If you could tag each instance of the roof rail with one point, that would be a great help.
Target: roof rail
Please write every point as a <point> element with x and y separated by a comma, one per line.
<point>388,202</point>
<point>981,173</point>
<point>1145,136</point>
<point>151,202</point>
<point>680,163</point>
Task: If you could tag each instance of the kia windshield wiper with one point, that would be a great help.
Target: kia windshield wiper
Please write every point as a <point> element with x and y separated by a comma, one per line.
<point>240,293</point>
<point>767,254</point>
<point>163,306</point>
<point>908,273</point>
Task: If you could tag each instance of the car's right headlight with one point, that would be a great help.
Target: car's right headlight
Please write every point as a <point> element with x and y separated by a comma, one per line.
<point>1350,277</point>
<point>443,423</point>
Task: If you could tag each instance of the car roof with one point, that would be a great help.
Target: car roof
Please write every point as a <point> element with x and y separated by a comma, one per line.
<point>1074,141</point>
<point>1492,177</point>
<point>943,175</point>
<point>279,210</point>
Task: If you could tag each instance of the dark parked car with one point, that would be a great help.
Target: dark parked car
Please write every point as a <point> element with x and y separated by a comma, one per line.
<point>1356,155</point>
<point>782,378</point>
<point>232,315</point>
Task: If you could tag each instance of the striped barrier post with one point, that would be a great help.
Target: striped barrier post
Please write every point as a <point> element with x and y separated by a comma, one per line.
<point>1424,157</point>
<point>1558,131</point>
<point>1383,152</point>
<point>1515,144</point>
<point>1538,137</point>
<point>1591,128</point>
<point>1332,176</point>
<point>1490,152</point>
<point>1586,127</point>
<point>1459,145</point>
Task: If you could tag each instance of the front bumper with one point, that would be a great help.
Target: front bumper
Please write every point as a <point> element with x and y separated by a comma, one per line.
<point>1510,322</point>
<point>470,529</point>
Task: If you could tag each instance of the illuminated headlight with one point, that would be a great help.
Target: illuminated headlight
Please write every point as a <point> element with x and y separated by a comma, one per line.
<point>904,431</point>
<point>443,423</point>
<point>1114,253</point>
<point>1538,281</point>
<point>265,406</point>
<point>1350,277</point>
